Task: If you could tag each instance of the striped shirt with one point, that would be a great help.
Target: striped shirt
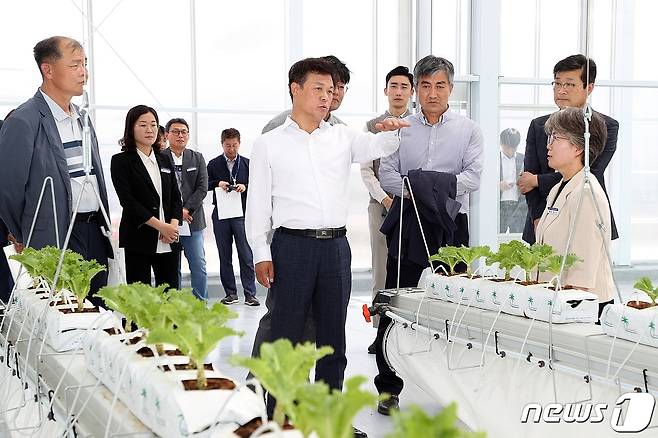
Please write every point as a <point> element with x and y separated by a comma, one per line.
<point>68,126</point>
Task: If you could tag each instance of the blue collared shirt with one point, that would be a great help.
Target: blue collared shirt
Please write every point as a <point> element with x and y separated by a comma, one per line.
<point>453,145</point>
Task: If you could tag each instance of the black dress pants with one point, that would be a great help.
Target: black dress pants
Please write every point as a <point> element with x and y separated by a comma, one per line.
<point>164,265</point>
<point>310,272</point>
<point>387,381</point>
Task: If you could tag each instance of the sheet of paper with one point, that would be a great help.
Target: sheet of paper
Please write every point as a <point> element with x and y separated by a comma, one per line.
<point>229,204</point>
<point>184,229</point>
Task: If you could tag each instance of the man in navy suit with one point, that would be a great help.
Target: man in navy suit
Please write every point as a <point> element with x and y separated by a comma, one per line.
<point>228,172</point>
<point>571,86</point>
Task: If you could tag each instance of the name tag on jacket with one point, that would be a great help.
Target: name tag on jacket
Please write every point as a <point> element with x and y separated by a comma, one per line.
<point>191,169</point>
<point>165,170</point>
<point>553,210</point>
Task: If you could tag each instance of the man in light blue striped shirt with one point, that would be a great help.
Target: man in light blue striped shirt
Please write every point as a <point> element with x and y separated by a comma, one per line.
<point>438,140</point>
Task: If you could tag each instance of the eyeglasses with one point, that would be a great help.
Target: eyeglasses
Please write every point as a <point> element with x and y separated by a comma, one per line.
<point>567,86</point>
<point>554,136</point>
<point>177,132</point>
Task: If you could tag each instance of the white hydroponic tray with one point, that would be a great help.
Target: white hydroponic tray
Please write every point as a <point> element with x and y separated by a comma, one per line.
<point>510,297</point>
<point>158,398</point>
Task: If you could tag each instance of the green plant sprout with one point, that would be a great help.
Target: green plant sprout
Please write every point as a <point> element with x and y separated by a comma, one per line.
<point>448,255</point>
<point>282,370</point>
<point>330,413</point>
<point>645,285</point>
<point>468,255</point>
<point>196,330</point>
<point>77,274</point>
<point>415,423</point>
<point>553,264</point>
<point>507,256</point>
<point>530,258</point>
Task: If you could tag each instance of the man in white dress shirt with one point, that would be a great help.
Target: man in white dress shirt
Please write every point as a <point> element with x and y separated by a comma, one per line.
<point>299,189</point>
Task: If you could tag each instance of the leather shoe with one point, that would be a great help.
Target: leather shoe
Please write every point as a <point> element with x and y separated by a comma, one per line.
<point>372,348</point>
<point>359,433</point>
<point>385,407</point>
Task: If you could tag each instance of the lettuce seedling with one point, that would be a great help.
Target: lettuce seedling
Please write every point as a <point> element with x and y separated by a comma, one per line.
<point>30,258</point>
<point>448,255</point>
<point>530,258</point>
<point>125,299</point>
<point>507,256</point>
<point>645,285</point>
<point>553,263</point>
<point>282,370</point>
<point>415,423</point>
<point>77,274</point>
<point>468,255</point>
<point>330,413</point>
<point>49,261</point>
<point>196,330</point>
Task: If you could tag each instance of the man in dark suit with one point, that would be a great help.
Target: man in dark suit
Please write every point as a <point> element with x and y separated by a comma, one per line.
<point>192,178</point>
<point>43,138</point>
<point>513,209</point>
<point>230,172</point>
<point>570,89</point>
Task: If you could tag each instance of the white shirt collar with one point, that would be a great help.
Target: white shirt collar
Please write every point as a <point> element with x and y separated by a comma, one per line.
<point>58,113</point>
<point>229,160</point>
<point>144,157</point>
<point>290,122</point>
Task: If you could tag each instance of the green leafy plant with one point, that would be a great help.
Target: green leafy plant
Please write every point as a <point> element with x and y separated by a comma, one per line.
<point>77,274</point>
<point>415,423</point>
<point>330,413</point>
<point>125,299</point>
<point>196,329</point>
<point>645,285</point>
<point>282,370</point>
<point>468,255</point>
<point>553,263</point>
<point>448,255</point>
<point>530,258</point>
<point>507,256</point>
<point>30,258</point>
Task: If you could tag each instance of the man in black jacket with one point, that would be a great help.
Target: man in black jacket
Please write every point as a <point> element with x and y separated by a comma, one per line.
<point>571,86</point>
<point>229,172</point>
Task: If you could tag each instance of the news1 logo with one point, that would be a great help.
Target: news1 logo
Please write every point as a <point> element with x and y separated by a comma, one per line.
<point>639,412</point>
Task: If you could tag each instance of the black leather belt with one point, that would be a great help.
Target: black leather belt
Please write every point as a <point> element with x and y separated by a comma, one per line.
<point>320,233</point>
<point>90,216</point>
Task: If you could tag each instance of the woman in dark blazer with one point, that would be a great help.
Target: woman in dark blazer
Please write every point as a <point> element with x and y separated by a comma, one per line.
<point>145,182</point>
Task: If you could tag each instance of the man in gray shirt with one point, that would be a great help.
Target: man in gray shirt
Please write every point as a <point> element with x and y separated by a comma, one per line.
<point>399,89</point>
<point>438,140</point>
<point>343,74</point>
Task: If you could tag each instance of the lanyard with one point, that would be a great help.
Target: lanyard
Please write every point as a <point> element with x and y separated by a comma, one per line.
<point>235,170</point>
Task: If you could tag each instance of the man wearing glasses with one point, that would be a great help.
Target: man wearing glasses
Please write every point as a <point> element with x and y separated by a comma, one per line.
<point>570,89</point>
<point>192,177</point>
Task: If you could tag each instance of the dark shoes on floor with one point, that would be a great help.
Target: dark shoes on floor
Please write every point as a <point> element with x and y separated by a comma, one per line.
<point>372,348</point>
<point>385,407</point>
<point>252,301</point>
<point>230,299</point>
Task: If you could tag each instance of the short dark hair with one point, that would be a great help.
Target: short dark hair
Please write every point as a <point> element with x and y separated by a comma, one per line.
<point>400,70</point>
<point>577,62</point>
<point>176,120</point>
<point>127,142</point>
<point>299,71</point>
<point>431,65</point>
<point>230,133</point>
<point>571,122</point>
<point>48,50</point>
<point>510,137</point>
<point>342,71</point>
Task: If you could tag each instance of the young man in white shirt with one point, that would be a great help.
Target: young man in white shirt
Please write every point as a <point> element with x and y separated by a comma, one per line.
<point>299,189</point>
